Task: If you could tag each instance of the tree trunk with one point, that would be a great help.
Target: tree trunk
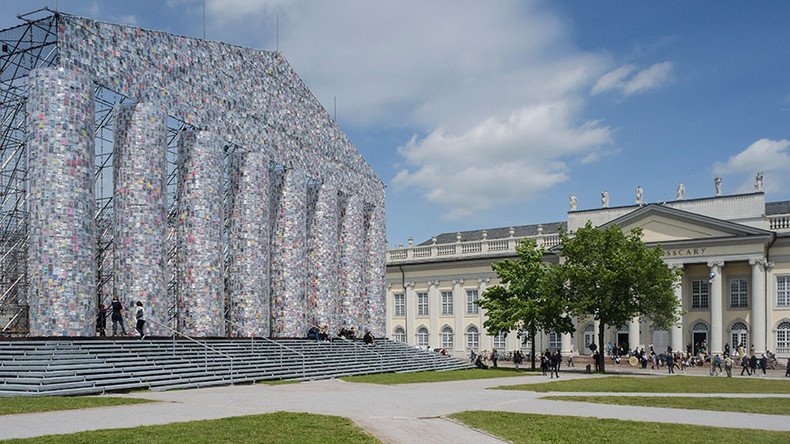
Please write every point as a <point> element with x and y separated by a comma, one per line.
<point>601,357</point>
<point>532,346</point>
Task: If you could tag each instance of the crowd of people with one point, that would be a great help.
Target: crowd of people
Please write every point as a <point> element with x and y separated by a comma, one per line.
<point>116,315</point>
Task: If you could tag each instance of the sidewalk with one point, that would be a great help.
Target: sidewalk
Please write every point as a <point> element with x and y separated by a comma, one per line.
<point>394,414</point>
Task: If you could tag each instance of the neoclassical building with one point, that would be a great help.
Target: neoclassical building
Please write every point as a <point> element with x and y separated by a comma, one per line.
<point>734,251</point>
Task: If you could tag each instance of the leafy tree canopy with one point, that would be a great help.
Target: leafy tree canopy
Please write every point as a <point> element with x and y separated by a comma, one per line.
<point>615,277</point>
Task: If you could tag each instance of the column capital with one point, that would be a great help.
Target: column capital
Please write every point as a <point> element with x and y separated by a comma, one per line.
<point>716,263</point>
<point>458,282</point>
<point>409,284</point>
<point>433,283</point>
<point>677,265</point>
<point>389,286</point>
<point>484,280</point>
<point>760,261</point>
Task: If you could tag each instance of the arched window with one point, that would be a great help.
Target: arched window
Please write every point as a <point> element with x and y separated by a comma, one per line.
<point>472,338</point>
<point>739,334</point>
<point>783,338</point>
<point>399,334</point>
<point>589,337</point>
<point>422,337</point>
<point>500,340</point>
<point>447,338</point>
<point>700,326</point>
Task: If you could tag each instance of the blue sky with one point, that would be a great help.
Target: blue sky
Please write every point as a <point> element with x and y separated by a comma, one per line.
<point>488,114</point>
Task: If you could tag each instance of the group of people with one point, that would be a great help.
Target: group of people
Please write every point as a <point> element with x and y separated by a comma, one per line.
<point>117,318</point>
<point>322,334</point>
<point>551,362</point>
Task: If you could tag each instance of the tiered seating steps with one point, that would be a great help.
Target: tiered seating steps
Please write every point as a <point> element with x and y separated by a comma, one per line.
<point>46,367</point>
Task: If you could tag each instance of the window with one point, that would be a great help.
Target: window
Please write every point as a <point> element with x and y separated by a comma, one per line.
<point>422,337</point>
<point>555,341</point>
<point>783,338</point>
<point>400,304</point>
<point>447,302</point>
<point>472,337</point>
<point>499,340</point>
<point>700,292</point>
<point>738,333</point>
<point>399,335</point>
<point>447,338</point>
<point>589,337</point>
<point>738,292</point>
<point>422,304</point>
<point>471,299</point>
<point>783,291</point>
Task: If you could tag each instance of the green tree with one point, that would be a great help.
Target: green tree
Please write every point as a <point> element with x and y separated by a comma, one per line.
<point>529,297</point>
<point>615,277</point>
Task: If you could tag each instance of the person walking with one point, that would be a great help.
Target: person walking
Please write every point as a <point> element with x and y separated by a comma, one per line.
<point>671,363</point>
<point>117,316</point>
<point>728,365</point>
<point>570,359</point>
<point>517,358</point>
<point>763,363</point>
<point>745,365</point>
<point>787,372</point>
<point>494,357</point>
<point>555,364</point>
<point>140,315</point>
<point>753,364</point>
<point>101,321</point>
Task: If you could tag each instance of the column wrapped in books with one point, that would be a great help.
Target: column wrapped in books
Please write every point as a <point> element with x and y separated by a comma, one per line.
<point>62,230</point>
<point>200,213</point>
<point>248,244</point>
<point>140,211</point>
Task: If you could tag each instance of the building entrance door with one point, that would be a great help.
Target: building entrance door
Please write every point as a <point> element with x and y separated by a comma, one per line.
<point>622,341</point>
<point>699,338</point>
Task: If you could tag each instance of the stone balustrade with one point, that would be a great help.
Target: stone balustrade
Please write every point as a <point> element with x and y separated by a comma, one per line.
<point>480,248</point>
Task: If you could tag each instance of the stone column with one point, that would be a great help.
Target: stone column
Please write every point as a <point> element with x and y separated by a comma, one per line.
<point>140,211</point>
<point>716,305</point>
<point>352,258</point>
<point>433,311</point>
<point>411,311</point>
<point>758,322</point>
<point>61,267</point>
<point>323,290</point>
<point>486,338</point>
<point>677,329</point>
<point>289,265</point>
<point>375,274</point>
<point>633,333</point>
<point>199,232</point>
<point>248,244</point>
<point>566,343</point>
<point>459,308</point>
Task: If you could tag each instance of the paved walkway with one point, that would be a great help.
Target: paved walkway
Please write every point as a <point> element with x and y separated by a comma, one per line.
<point>410,413</point>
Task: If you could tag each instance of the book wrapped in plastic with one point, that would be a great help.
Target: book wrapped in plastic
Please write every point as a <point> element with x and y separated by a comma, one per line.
<point>201,299</point>
<point>62,232</point>
<point>289,265</point>
<point>323,301</point>
<point>352,261</point>
<point>375,279</point>
<point>248,243</point>
<point>140,210</point>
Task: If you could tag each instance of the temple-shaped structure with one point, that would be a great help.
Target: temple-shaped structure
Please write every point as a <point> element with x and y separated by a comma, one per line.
<point>201,178</point>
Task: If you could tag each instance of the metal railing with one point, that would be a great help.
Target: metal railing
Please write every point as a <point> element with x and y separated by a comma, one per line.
<point>283,347</point>
<point>366,349</point>
<point>203,344</point>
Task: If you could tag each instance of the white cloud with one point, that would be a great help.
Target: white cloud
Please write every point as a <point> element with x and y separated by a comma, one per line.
<point>496,92</point>
<point>628,80</point>
<point>770,156</point>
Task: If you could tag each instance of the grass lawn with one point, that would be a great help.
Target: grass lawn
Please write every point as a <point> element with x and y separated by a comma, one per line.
<point>663,384</point>
<point>25,404</point>
<point>769,406</point>
<point>533,428</point>
<point>433,376</point>
<point>280,427</point>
